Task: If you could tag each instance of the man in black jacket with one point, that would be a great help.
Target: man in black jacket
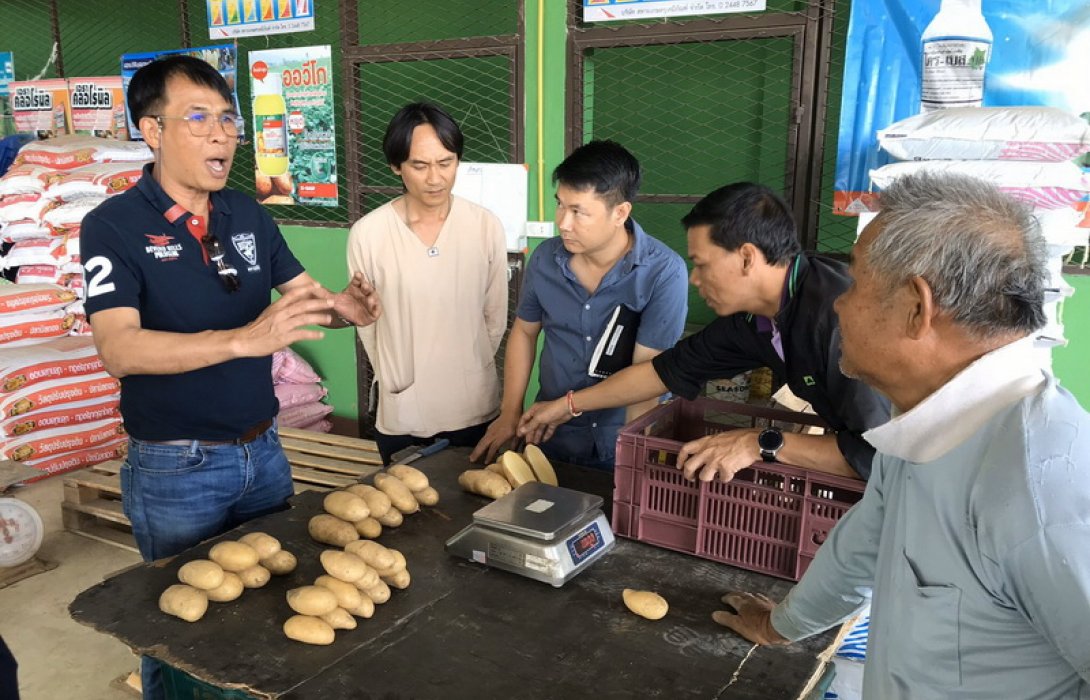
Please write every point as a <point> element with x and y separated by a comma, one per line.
<point>775,308</point>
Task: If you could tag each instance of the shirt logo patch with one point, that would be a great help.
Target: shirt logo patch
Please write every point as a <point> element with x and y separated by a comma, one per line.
<point>161,248</point>
<point>808,380</point>
<point>246,245</point>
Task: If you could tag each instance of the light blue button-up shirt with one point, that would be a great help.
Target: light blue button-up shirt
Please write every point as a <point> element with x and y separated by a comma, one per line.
<point>650,279</point>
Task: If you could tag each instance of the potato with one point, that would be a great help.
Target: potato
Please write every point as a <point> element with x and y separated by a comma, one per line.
<point>399,564</point>
<point>377,501</point>
<point>495,468</point>
<point>233,556</point>
<point>283,562</point>
<point>379,593</point>
<point>369,528</point>
<point>340,619</point>
<point>412,477</point>
<point>229,590</point>
<point>399,493</point>
<point>202,574</point>
<point>186,602</point>
<point>254,577</point>
<point>329,529</point>
<point>312,600</point>
<point>400,580</point>
<point>393,517</point>
<point>343,566</point>
<point>348,596</point>
<point>370,578</point>
<point>543,468</point>
<point>374,554</point>
<point>515,469</point>
<point>282,183</point>
<point>484,483</point>
<point>278,199</point>
<point>427,497</point>
<point>346,506</point>
<point>264,184</point>
<point>309,630</point>
<point>645,603</point>
<point>365,609</point>
<point>264,545</point>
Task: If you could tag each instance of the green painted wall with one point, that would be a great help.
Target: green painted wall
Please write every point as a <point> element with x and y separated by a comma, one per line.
<point>1071,363</point>
<point>321,250</point>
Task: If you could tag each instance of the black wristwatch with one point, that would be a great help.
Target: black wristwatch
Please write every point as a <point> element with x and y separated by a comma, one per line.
<point>770,440</point>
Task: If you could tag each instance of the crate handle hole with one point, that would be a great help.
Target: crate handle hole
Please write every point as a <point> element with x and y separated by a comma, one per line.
<point>818,538</point>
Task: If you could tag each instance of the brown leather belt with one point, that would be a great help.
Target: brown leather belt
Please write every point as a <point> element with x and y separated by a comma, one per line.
<point>247,437</point>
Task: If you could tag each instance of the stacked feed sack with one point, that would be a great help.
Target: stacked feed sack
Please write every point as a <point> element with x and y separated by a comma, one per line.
<point>300,393</point>
<point>1029,153</point>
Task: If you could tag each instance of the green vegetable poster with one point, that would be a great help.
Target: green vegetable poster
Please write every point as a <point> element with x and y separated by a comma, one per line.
<point>294,134</point>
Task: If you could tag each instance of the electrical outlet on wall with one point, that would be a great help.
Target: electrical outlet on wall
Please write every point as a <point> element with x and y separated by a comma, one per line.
<point>540,229</point>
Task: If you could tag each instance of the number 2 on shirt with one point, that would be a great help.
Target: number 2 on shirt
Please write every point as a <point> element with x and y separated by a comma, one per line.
<point>98,269</point>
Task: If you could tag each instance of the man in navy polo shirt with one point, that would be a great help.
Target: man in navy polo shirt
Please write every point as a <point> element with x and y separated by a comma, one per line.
<point>178,278</point>
<point>574,284</point>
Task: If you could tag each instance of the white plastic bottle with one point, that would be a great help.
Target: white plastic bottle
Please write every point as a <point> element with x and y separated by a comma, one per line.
<point>957,45</point>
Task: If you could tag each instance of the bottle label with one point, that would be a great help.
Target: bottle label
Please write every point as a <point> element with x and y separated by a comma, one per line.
<point>272,141</point>
<point>953,73</point>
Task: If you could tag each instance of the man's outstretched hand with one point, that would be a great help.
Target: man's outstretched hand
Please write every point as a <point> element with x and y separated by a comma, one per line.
<point>750,616</point>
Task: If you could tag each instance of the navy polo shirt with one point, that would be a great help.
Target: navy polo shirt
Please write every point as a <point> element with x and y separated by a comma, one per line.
<point>649,279</point>
<point>138,252</point>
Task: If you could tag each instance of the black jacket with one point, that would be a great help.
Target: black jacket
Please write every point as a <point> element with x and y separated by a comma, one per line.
<point>810,334</point>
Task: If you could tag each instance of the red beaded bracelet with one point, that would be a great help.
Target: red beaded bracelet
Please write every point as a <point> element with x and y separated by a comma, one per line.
<point>571,405</point>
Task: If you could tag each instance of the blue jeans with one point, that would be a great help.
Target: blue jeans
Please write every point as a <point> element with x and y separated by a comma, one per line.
<point>178,496</point>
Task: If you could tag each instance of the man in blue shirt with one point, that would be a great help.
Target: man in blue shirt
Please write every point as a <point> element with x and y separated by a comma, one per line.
<point>573,286</point>
<point>178,276</point>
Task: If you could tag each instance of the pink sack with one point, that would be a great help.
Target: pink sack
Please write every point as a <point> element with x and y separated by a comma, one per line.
<point>295,394</point>
<point>322,426</point>
<point>290,368</point>
<point>303,414</point>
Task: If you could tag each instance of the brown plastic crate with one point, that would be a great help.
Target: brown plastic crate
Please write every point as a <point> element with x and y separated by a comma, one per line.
<point>770,518</point>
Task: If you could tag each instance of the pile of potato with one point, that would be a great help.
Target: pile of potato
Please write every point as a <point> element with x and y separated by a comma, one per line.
<point>230,568</point>
<point>509,472</point>
<point>362,511</point>
<point>356,580</point>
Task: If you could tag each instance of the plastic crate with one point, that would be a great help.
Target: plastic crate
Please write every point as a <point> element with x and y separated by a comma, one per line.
<point>770,518</point>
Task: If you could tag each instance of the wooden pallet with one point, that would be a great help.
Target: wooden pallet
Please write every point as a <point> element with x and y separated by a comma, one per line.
<point>319,461</point>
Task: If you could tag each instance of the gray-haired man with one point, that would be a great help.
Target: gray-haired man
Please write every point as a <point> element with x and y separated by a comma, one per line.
<point>974,531</point>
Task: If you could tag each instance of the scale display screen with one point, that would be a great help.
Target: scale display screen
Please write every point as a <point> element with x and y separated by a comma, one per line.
<point>584,543</point>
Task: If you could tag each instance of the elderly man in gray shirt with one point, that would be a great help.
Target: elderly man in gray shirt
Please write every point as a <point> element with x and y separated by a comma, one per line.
<point>974,532</point>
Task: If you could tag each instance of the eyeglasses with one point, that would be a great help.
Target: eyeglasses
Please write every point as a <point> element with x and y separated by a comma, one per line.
<point>202,123</point>
<point>226,272</point>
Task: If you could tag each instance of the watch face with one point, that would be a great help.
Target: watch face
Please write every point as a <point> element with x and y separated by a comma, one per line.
<point>770,439</point>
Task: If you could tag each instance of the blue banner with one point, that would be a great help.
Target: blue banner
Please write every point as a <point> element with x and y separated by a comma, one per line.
<point>1040,53</point>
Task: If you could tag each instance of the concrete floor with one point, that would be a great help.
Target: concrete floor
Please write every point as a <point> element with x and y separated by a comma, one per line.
<point>58,657</point>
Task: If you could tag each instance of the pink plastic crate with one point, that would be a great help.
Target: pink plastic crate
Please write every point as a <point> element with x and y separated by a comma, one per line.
<point>770,518</point>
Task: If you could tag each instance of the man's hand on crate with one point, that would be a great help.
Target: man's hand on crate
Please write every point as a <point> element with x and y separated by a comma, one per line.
<point>719,456</point>
<point>750,616</point>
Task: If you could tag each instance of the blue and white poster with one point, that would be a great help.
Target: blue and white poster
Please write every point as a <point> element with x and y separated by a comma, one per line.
<point>1039,55</point>
<point>7,71</point>
<point>224,58</point>
<point>615,10</point>
<point>234,18</point>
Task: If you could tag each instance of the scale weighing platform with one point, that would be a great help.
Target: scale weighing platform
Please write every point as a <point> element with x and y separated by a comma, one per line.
<point>543,532</point>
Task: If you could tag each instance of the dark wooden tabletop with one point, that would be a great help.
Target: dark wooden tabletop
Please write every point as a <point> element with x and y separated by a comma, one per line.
<point>462,630</point>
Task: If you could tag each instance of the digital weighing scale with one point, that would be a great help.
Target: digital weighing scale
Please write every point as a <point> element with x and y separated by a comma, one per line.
<point>543,532</point>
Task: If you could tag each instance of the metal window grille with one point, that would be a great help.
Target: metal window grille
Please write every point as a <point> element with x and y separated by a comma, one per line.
<point>704,101</point>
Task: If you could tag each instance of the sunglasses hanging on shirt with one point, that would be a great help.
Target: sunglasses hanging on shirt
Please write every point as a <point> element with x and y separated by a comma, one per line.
<point>227,273</point>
